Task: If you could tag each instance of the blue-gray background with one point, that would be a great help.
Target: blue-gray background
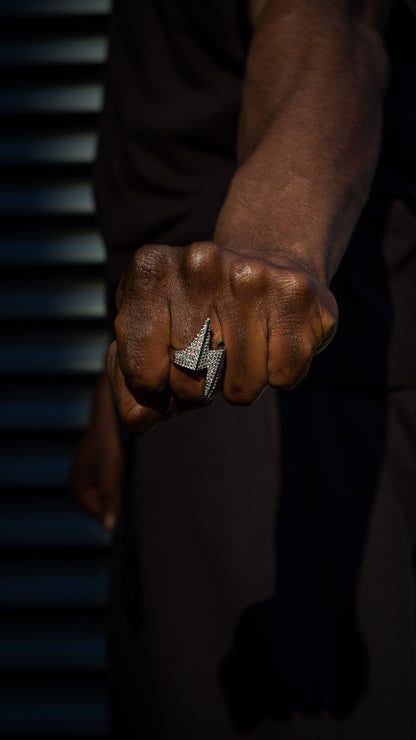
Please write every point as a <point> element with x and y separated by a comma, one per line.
<point>53,559</point>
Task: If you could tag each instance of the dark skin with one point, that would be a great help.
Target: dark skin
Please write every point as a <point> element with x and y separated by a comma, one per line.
<point>95,479</point>
<point>308,141</point>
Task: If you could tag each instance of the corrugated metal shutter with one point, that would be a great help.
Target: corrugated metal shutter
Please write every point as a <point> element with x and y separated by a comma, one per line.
<point>52,313</point>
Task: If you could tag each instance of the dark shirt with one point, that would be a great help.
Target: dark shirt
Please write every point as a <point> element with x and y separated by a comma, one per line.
<point>167,154</point>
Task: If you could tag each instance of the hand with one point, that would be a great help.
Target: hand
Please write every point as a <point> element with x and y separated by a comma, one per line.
<point>95,478</point>
<point>272,318</point>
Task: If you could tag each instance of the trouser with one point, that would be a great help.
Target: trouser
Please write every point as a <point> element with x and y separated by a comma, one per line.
<point>264,594</point>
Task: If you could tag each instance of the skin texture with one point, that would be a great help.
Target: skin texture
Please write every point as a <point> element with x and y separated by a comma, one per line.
<point>306,162</point>
<point>308,141</point>
<point>309,133</point>
<point>271,317</point>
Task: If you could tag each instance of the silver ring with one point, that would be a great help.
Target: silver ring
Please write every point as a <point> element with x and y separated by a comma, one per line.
<point>198,356</point>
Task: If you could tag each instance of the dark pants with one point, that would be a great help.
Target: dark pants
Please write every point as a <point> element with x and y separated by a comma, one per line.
<point>282,601</point>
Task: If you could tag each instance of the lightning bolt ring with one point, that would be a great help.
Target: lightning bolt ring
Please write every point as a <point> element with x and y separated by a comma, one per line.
<point>198,356</point>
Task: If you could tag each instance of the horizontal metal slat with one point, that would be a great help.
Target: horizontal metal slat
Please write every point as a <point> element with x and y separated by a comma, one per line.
<point>37,198</point>
<point>71,736</point>
<point>83,247</point>
<point>54,408</point>
<point>81,98</point>
<point>54,557</point>
<point>48,149</point>
<point>81,50</point>
<point>61,644</point>
<point>68,581</point>
<point>37,469</point>
<point>35,461</point>
<point>53,353</point>
<point>53,521</point>
<point>11,8</point>
<point>58,708</point>
<point>53,299</point>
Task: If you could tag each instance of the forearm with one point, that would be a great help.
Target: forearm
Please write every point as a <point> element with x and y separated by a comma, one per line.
<point>309,134</point>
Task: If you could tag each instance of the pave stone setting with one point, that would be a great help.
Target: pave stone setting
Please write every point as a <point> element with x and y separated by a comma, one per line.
<point>198,356</point>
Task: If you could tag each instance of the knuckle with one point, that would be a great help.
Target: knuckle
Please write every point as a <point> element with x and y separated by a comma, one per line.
<point>202,259</point>
<point>298,290</point>
<point>248,275</point>
<point>150,263</point>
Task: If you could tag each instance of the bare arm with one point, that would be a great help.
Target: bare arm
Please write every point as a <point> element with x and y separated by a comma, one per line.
<point>308,141</point>
<point>95,478</point>
<point>309,130</point>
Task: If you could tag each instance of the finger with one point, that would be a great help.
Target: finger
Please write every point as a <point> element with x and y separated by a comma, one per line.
<point>291,344</point>
<point>109,512</point>
<point>200,280</point>
<point>302,321</point>
<point>84,491</point>
<point>324,321</point>
<point>84,488</point>
<point>188,385</point>
<point>110,494</point>
<point>288,359</point>
<point>140,412</point>
<point>245,332</point>
<point>143,354</point>
<point>292,349</point>
<point>97,487</point>
<point>142,324</point>
<point>245,376</point>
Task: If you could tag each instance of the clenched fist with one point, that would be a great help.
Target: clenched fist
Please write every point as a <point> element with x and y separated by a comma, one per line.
<point>271,316</point>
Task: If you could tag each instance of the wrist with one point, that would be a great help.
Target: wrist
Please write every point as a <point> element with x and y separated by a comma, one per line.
<point>262,239</point>
<point>305,220</point>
